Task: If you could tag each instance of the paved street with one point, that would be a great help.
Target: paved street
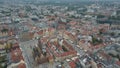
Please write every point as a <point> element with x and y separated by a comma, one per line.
<point>27,52</point>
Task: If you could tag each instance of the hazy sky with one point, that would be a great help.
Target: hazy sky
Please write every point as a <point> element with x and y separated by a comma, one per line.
<point>58,0</point>
<point>64,0</point>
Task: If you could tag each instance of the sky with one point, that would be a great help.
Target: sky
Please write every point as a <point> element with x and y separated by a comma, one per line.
<point>59,0</point>
<point>65,0</point>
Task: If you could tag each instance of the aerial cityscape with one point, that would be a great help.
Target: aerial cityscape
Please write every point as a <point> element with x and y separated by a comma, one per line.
<point>59,33</point>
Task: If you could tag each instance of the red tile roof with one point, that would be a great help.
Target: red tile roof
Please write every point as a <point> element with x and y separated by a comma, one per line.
<point>16,55</point>
<point>44,39</point>
<point>99,65</point>
<point>51,29</point>
<point>22,65</point>
<point>67,53</point>
<point>73,23</point>
<point>104,55</point>
<point>40,32</point>
<point>73,37</point>
<point>50,57</point>
<point>16,45</point>
<point>66,44</point>
<point>72,64</point>
<point>118,63</point>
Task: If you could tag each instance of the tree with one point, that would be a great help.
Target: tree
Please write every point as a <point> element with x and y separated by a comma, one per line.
<point>96,41</point>
<point>112,34</point>
<point>118,33</point>
<point>4,30</point>
<point>101,31</point>
<point>44,53</point>
<point>64,48</point>
<point>100,16</point>
<point>8,47</point>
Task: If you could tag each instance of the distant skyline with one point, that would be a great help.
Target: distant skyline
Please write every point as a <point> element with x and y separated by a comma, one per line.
<point>60,0</point>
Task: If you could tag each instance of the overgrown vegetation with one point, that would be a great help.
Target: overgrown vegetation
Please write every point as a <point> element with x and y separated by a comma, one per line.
<point>96,40</point>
